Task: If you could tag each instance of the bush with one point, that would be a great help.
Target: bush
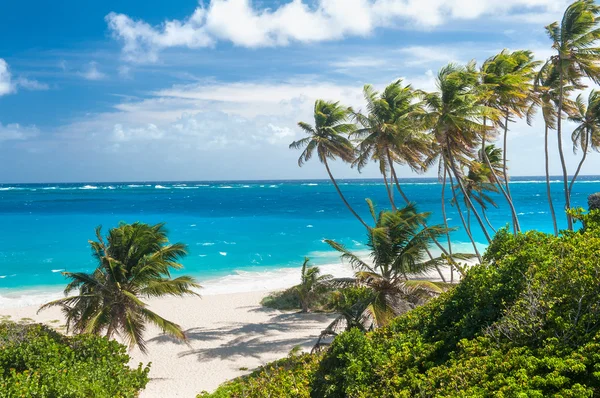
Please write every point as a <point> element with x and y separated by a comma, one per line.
<point>36,361</point>
<point>326,299</point>
<point>526,323</point>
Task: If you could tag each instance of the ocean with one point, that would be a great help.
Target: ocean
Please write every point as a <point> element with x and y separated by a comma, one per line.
<point>241,235</point>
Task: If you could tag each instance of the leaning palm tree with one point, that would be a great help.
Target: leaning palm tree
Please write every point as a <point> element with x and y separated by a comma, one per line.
<point>311,281</point>
<point>507,81</point>
<point>478,182</point>
<point>455,115</point>
<point>389,133</point>
<point>328,138</point>
<point>574,40</point>
<point>587,133</point>
<point>134,262</point>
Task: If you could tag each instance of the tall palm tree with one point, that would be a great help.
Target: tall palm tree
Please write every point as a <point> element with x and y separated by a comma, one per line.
<point>574,40</point>
<point>390,134</point>
<point>397,250</point>
<point>507,81</point>
<point>455,116</point>
<point>546,96</point>
<point>134,262</point>
<point>587,133</point>
<point>311,281</point>
<point>328,138</point>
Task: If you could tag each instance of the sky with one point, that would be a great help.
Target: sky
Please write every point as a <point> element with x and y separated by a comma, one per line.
<point>139,90</point>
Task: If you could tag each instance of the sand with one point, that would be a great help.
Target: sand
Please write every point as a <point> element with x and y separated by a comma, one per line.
<point>229,336</point>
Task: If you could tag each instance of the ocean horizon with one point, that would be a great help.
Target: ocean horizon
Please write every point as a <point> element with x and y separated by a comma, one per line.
<point>241,235</point>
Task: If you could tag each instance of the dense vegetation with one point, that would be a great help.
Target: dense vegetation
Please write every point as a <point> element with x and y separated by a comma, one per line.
<point>37,362</point>
<point>524,323</point>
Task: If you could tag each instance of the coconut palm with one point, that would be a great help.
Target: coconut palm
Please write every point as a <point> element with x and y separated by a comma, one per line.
<point>311,281</point>
<point>134,262</point>
<point>478,182</point>
<point>574,40</point>
<point>389,133</point>
<point>328,139</point>
<point>455,116</point>
<point>507,82</point>
<point>397,248</point>
<point>546,96</point>
<point>587,133</point>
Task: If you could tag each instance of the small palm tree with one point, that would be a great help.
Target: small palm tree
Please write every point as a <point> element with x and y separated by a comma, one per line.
<point>574,40</point>
<point>587,133</point>
<point>398,246</point>
<point>398,249</point>
<point>328,139</point>
<point>134,262</point>
<point>311,282</point>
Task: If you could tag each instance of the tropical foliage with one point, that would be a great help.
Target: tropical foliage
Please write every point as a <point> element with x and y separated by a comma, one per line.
<point>524,323</point>
<point>37,362</point>
<point>134,262</point>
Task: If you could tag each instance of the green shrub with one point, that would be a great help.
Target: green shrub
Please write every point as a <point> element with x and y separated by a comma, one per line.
<point>36,361</point>
<point>526,323</point>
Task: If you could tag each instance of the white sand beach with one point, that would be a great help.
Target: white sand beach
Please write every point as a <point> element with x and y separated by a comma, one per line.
<point>229,335</point>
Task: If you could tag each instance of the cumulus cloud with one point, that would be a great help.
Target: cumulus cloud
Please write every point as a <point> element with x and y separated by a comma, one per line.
<point>91,72</point>
<point>243,24</point>
<point>9,85</point>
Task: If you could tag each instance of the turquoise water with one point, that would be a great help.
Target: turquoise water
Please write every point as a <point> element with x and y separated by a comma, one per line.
<point>228,226</point>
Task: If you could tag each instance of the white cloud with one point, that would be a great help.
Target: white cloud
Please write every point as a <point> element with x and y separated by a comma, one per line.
<point>9,85</point>
<point>31,84</point>
<point>241,23</point>
<point>91,72</point>
<point>11,132</point>
<point>6,84</point>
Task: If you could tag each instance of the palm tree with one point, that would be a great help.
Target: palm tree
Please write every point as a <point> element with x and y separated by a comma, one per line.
<point>389,132</point>
<point>134,262</point>
<point>311,281</point>
<point>327,138</point>
<point>477,183</point>
<point>587,133</point>
<point>506,80</point>
<point>546,96</point>
<point>455,115</point>
<point>397,246</point>
<point>576,57</point>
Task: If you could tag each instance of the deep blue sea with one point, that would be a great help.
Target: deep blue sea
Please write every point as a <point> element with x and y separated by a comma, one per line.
<point>249,226</point>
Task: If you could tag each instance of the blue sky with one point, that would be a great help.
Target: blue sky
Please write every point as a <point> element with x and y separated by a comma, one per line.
<point>180,90</point>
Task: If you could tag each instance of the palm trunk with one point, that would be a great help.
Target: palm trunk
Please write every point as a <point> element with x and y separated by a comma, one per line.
<point>468,199</point>
<point>389,191</point>
<point>513,211</point>
<point>507,193</point>
<point>548,190</point>
<point>342,196</point>
<point>462,218</point>
<point>560,151</point>
<point>485,217</point>
<point>585,150</point>
<point>446,221</point>
<point>109,331</point>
